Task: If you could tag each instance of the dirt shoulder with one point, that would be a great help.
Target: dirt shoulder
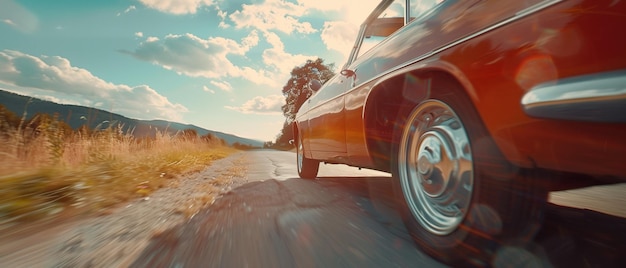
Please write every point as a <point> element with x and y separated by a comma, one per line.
<point>114,238</point>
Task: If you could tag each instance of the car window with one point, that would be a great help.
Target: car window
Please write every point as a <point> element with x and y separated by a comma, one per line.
<point>390,20</point>
<point>418,8</point>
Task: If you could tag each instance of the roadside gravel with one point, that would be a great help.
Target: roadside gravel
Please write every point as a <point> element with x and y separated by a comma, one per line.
<point>118,235</point>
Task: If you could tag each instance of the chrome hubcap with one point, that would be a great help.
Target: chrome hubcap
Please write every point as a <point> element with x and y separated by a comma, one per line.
<point>299,153</point>
<point>435,167</point>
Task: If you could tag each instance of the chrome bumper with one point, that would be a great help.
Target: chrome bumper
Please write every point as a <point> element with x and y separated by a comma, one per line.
<point>596,98</point>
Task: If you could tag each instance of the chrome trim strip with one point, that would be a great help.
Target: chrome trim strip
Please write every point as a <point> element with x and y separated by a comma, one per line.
<point>519,15</point>
<point>537,7</point>
<point>598,97</point>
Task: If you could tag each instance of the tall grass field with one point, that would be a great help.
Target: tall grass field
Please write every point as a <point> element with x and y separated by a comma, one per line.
<point>47,168</point>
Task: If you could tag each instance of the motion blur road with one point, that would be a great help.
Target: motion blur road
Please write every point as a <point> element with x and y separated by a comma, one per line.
<point>345,218</point>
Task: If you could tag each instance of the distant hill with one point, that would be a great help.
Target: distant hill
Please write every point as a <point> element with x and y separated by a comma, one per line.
<point>77,116</point>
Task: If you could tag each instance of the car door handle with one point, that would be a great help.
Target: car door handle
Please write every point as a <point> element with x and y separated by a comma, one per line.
<point>348,73</point>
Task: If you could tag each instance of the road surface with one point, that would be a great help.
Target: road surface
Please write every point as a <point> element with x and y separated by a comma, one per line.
<point>345,218</point>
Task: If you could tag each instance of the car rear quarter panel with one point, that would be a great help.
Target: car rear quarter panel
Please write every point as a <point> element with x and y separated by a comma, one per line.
<point>500,64</point>
<point>569,39</point>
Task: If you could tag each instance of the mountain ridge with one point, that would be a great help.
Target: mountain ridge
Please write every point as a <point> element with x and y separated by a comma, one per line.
<point>76,116</point>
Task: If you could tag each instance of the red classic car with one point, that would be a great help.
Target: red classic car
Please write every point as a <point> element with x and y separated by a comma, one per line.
<point>474,106</point>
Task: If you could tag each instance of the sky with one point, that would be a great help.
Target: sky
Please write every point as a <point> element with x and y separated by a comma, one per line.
<point>216,64</point>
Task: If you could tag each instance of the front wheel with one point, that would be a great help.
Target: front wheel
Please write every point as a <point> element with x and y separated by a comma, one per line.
<point>307,168</point>
<point>459,198</point>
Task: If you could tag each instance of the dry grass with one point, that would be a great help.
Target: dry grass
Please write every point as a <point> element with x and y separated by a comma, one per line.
<point>205,194</point>
<point>45,170</point>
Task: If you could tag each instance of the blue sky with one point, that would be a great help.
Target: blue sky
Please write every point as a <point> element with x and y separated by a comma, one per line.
<point>215,64</point>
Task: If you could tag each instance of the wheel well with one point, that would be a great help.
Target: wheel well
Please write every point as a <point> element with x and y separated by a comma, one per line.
<point>384,104</point>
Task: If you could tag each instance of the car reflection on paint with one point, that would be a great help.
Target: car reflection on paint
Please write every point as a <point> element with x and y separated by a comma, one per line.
<point>475,107</point>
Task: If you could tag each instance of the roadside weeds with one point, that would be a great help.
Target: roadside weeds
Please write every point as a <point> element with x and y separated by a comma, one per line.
<point>116,236</point>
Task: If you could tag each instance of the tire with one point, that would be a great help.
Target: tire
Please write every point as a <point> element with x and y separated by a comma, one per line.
<point>307,168</point>
<point>459,198</point>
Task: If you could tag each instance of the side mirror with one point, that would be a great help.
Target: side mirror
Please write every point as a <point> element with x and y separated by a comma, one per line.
<point>315,85</point>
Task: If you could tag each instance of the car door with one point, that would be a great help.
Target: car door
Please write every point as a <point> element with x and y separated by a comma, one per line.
<point>326,133</point>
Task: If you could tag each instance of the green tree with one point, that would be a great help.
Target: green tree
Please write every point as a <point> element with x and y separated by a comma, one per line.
<point>282,139</point>
<point>296,91</point>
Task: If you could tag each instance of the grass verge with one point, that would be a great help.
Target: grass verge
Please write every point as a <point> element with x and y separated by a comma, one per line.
<point>44,171</point>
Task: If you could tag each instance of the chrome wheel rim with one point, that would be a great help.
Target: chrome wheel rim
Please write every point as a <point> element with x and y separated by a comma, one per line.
<point>436,168</point>
<point>299,153</point>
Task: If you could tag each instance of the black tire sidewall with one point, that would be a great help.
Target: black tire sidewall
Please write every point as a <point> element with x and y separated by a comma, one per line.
<point>503,200</point>
<point>310,167</point>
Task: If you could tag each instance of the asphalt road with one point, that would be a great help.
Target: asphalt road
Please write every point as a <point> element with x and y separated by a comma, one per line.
<point>345,218</point>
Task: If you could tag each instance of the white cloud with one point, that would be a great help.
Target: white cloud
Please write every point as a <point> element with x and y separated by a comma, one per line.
<point>190,55</point>
<point>207,89</point>
<point>272,15</point>
<point>9,22</point>
<point>20,18</point>
<point>250,41</point>
<point>55,78</point>
<point>222,14</point>
<point>262,77</point>
<point>129,9</point>
<point>57,100</point>
<point>139,34</point>
<point>178,7</point>
<point>269,105</point>
<point>339,35</point>
<point>225,86</point>
<point>223,25</point>
<point>279,59</point>
<point>196,57</point>
<point>340,32</point>
<point>353,11</point>
<point>274,40</point>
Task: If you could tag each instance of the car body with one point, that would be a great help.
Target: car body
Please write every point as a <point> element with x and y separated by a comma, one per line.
<point>545,79</point>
